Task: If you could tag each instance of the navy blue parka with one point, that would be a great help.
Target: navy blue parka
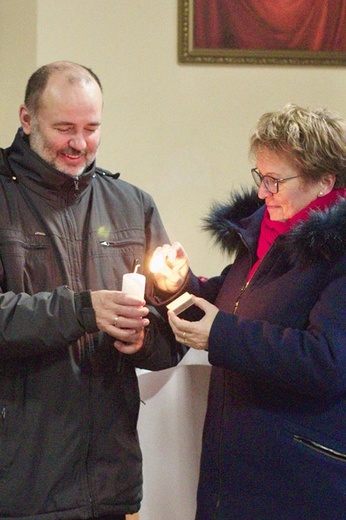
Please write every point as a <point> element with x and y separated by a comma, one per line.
<point>274,441</point>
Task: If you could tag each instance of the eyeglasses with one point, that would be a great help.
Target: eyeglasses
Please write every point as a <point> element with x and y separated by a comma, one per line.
<point>271,184</point>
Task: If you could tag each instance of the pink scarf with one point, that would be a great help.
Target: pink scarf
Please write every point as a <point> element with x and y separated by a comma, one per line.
<point>271,229</point>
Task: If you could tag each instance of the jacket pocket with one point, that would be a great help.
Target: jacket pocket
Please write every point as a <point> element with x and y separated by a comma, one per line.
<point>23,256</point>
<point>320,448</point>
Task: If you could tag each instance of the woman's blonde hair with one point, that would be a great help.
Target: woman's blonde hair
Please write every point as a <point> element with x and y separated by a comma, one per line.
<point>314,140</point>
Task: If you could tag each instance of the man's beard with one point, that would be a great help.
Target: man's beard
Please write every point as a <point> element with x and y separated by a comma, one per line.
<point>41,146</point>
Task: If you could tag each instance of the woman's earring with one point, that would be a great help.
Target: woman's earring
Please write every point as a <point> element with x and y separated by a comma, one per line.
<point>320,194</point>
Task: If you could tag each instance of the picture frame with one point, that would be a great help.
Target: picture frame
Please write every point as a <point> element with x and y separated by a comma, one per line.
<point>190,53</point>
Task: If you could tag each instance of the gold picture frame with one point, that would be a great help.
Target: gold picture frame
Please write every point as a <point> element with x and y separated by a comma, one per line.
<point>188,53</point>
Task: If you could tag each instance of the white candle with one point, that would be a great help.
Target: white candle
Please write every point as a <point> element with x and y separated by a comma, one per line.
<point>134,283</point>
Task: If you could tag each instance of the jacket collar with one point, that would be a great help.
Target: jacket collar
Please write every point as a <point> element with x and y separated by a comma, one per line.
<point>321,236</point>
<point>30,170</point>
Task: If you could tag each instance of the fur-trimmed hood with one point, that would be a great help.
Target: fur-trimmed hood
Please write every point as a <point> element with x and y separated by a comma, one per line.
<point>322,236</point>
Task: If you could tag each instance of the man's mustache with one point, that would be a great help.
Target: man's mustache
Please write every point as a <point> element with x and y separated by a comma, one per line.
<point>73,153</point>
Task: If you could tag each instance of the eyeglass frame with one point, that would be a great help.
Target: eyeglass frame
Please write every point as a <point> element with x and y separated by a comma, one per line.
<point>263,177</point>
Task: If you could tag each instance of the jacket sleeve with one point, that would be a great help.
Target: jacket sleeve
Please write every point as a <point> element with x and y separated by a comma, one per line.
<point>45,321</point>
<point>160,349</point>
<point>204,288</point>
<point>155,233</point>
<point>310,360</point>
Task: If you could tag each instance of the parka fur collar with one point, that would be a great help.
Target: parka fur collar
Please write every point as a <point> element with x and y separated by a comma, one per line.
<point>321,237</point>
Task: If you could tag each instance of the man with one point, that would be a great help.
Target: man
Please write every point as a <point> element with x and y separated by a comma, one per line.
<point>69,338</point>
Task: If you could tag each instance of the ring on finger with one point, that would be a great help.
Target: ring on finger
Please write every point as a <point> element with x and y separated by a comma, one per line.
<point>116,320</point>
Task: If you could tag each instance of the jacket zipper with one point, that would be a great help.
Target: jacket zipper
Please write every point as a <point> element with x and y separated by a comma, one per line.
<point>218,500</point>
<point>338,455</point>
<point>242,290</point>
<point>3,412</point>
<point>245,286</point>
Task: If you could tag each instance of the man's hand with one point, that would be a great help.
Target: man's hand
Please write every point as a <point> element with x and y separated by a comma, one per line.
<point>123,317</point>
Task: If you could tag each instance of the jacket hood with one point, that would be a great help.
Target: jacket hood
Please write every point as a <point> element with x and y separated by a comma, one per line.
<point>322,236</point>
<point>228,221</point>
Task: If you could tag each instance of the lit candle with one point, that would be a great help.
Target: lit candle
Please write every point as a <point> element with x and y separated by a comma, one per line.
<point>134,283</point>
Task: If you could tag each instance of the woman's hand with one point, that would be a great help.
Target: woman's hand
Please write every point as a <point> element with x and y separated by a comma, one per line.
<point>194,334</point>
<point>169,266</point>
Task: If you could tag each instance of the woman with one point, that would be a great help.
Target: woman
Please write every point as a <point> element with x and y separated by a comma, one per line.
<point>274,443</point>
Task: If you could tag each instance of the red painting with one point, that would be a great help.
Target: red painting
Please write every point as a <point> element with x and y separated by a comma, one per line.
<point>312,31</point>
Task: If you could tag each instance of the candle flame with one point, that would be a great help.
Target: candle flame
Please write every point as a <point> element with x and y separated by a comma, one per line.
<point>162,259</point>
<point>157,263</point>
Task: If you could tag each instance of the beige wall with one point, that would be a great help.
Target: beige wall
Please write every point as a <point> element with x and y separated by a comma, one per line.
<point>17,60</point>
<point>178,131</point>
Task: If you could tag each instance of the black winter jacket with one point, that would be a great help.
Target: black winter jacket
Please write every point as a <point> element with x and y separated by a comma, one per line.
<point>68,401</point>
<point>274,443</point>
